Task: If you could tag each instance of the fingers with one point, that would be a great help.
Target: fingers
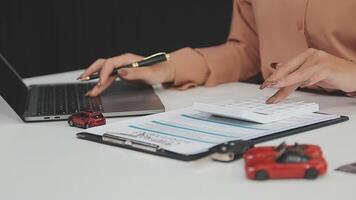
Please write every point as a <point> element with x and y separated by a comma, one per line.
<point>314,79</point>
<point>95,67</point>
<point>114,62</point>
<point>144,74</point>
<point>106,71</point>
<point>150,75</point>
<point>135,73</point>
<point>290,66</point>
<point>301,75</point>
<point>310,72</point>
<point>282,94</point>
<point>301,70</point>
<point>163,72</point>
<point>97,90</point>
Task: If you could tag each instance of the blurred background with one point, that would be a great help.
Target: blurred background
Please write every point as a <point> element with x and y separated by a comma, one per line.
<point>50,36</point>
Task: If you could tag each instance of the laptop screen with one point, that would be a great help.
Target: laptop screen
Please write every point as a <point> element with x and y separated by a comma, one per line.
<point>12,89</point>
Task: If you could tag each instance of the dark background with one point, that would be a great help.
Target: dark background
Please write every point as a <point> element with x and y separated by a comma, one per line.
<point>49,36</point>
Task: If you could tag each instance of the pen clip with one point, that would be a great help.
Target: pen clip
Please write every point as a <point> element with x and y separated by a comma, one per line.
<point>119,140</point>
<point>157,54</point>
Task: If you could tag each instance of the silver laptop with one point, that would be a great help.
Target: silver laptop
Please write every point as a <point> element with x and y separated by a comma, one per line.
<point>57,101</point>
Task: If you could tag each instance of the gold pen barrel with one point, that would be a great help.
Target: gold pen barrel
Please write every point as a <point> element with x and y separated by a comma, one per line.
<point>154,59</point>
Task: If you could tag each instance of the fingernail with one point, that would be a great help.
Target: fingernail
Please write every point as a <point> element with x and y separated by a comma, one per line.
<point>99,83</point>
<point>272,83</point>
<point>263,85</point>
<point>274,65</point>
<point>304,84</point>
<point>122,72</point>
<point>87,94</point>
<point>271,100</point>
<point>268,84</point>
<point>79,77</point>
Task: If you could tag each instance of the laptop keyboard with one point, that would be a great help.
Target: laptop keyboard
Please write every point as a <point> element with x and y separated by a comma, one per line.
<point>66,99</point>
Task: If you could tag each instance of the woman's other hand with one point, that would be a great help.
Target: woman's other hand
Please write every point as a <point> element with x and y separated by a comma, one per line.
<point>309,69</point>
<point>156,74</point>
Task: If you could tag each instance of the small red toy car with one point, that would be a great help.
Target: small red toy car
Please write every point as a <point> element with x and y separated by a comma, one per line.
<point>253,153</point>
<point>285,161</point>
<point>86,119</point>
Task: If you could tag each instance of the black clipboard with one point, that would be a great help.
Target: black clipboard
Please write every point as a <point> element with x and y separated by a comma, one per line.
<point>154,149</point>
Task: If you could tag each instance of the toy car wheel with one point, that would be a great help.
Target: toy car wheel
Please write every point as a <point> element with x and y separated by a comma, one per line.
<point>311,173</point>
<point>261,175</point>
<point>86,126</point>
<point>70,122</point>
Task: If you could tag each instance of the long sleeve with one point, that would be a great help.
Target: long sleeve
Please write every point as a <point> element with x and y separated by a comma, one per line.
<point>236,59</point>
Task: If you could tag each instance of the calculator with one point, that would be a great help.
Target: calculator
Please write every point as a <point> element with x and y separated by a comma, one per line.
<point>256,110</point>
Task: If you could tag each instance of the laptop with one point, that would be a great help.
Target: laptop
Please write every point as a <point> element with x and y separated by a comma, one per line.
<point>50,102</point>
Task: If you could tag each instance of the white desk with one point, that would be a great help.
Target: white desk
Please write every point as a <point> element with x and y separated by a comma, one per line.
<point>46,160</point>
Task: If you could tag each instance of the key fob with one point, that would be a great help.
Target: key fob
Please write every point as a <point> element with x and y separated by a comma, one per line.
<point>230,151</point>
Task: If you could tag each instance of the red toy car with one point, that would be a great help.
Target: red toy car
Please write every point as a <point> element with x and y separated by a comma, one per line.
<point>86,119</point>
<point>253,153</point>
<point>285,161</point>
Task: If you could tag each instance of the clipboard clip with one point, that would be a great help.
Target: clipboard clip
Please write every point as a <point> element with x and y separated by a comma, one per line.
<point>116,139</point>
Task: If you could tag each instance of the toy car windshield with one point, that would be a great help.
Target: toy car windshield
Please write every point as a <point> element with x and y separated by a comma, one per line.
<point>292,157</point>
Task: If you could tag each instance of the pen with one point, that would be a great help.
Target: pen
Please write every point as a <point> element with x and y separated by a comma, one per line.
<point>150,60</point>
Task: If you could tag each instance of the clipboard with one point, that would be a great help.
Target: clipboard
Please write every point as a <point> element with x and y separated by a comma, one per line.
<point>128,143</point>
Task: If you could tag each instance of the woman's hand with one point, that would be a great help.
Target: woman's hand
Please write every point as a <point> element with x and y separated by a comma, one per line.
<point>156,74</point>
<point>312,68</point>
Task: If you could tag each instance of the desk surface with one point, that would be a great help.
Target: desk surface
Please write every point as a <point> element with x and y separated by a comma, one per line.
<point>46,161</point>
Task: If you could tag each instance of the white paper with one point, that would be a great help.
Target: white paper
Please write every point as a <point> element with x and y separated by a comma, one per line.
<point>189,132</point>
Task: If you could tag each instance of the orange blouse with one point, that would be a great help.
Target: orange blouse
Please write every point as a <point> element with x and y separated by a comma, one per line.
<point>266,31</point>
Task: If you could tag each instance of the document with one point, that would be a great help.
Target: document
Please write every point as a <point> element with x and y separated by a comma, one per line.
<point>187,131</point>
